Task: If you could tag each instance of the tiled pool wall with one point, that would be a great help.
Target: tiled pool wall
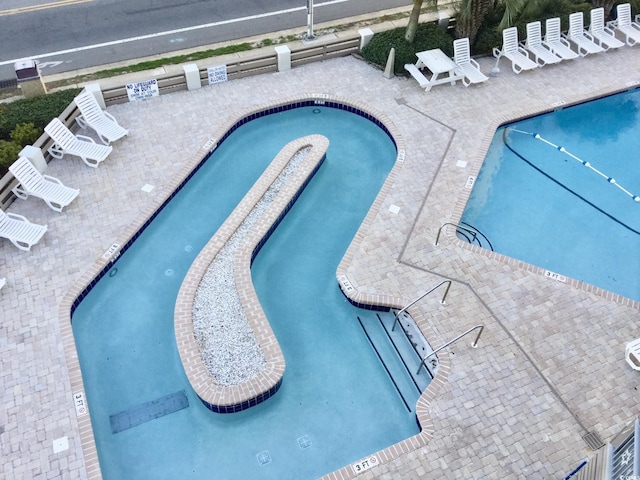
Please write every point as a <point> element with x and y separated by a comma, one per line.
<point>106,262</point>
<point>460,205</point>
<point>234,398</point>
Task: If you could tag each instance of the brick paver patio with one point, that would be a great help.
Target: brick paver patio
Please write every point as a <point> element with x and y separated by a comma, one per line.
<point>550,364</point>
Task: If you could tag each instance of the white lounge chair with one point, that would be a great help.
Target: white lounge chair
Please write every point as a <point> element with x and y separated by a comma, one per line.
<point>510,49</point>
<point>467,65</point>
<point>632,354</point>
<point>20,231</point>
<point>32,182</point>
<point>534,44</point>
<point>92,153</point>
<point>417,74</point>
<point>91,115</point>
<point>624,24</point>
<point>603,36</point>
<point>580,37</point>
<point>556,43</point>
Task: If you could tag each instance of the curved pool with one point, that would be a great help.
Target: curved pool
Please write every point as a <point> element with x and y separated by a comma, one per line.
<point>336,403</point>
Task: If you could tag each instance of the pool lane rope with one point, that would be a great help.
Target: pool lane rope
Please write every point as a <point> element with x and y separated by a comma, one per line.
<point>586,164</point>
<point>609,179</point>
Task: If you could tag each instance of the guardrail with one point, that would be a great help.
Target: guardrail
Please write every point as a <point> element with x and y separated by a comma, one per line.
<point>174,82</point>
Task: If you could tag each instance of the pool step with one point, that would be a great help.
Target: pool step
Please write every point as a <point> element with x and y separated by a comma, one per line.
<point>397,354</point>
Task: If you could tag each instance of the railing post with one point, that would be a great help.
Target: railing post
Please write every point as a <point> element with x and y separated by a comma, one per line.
<point>473,345</point>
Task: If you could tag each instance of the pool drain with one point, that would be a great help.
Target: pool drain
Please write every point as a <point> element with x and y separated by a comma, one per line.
<point>113,272</point>
<point>168,272</point>
<point>316,110</point>
<point>263,458</point>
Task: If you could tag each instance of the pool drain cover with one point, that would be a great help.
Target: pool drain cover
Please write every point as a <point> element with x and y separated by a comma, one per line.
<point>304,442</point>
<point>594,440</point>
<point>263,457</point>
<point>148,411</point>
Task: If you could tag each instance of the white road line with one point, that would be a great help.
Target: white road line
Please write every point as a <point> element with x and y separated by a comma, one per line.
<point>170,32</point>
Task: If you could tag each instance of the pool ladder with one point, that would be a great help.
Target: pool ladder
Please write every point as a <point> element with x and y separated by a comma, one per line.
<point>462,229</point>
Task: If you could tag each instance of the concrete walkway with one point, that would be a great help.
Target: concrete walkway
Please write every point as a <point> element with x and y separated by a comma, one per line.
<point>549,367</point>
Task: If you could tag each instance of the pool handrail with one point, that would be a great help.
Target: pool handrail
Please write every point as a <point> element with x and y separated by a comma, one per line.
<point>400,312</point>
<point>465,227</point>
<point>473,345</point>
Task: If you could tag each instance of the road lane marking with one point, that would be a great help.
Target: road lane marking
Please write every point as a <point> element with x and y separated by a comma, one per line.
<point>169,32</point>
<point>44,6</point>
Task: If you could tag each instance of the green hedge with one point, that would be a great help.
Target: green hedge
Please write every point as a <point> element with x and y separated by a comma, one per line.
<point>428,36</point>
<point>23,121</point>
<point>38,110</point>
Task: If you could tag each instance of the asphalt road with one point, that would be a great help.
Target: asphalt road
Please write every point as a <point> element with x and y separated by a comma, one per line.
<point>64,35</point>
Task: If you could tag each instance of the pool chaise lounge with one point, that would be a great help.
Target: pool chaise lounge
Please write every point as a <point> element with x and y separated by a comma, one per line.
<point>604,36</point>
<point>20,231</point>
<point>468,67</point>
<point>632,354</point>
<point>92,116</point>
<point>512,51</point>
<point>556,43</point>
<point>582,39</point>
<point>32,182</point>
<point>542,53</point>
<point>65,142</point>
<point>624,24</point>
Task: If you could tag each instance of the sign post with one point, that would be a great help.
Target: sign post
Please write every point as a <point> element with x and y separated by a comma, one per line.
<point>309,35</point>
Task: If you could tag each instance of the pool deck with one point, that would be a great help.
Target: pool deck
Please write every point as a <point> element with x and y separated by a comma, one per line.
<point>548,369</point>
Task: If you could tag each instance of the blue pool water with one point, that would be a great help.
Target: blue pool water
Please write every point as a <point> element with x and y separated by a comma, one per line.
<point>538,204</point>
<point>336,403</point>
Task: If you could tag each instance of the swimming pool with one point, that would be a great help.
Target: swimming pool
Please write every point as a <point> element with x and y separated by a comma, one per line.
<point>323,417</point>
<point>560,191</point>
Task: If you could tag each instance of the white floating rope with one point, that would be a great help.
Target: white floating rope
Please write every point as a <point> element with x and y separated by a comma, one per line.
<point>609,179</point>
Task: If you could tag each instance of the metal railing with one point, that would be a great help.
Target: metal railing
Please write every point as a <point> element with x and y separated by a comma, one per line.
<point>400,312</point>
<point>466,228</point>
<point>473,345</point>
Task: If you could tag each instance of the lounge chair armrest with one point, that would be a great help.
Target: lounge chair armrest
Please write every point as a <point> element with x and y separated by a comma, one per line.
<point>523,52</point>
<point>612,23</point>
<point>589,36</point>
<point>84,137</point>
<point>609,31</point>
<point>474,63</point>
<point>110,117</point>
<point>15,216</point>
<point>52,179</point>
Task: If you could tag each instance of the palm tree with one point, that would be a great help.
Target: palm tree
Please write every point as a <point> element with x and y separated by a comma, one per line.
<point>412,26</point>
<point>606,4</point>
<point>471,13</point>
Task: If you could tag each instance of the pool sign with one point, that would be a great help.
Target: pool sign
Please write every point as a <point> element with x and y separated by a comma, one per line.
<point>365,464</point>
<point>80,403</point>
<point>110,251</point>
<point>142,90</point>
<point>555,276</point>
<point>470,182</point>
<point>217,74</point>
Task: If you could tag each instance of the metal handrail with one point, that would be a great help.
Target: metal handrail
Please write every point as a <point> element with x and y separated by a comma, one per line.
<point>473,345</point>
<point>469,229</point>
<point>420,298</point>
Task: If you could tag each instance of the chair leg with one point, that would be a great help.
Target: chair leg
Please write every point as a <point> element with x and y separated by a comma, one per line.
<point>19,192</point>
<point>55,151</point>
<point>81,122</point>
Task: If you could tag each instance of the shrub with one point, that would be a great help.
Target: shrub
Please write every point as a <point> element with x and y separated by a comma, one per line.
<point>25,134</point>
<point>9,152</point>
<point>38,110</point>
<point>428,36</point>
